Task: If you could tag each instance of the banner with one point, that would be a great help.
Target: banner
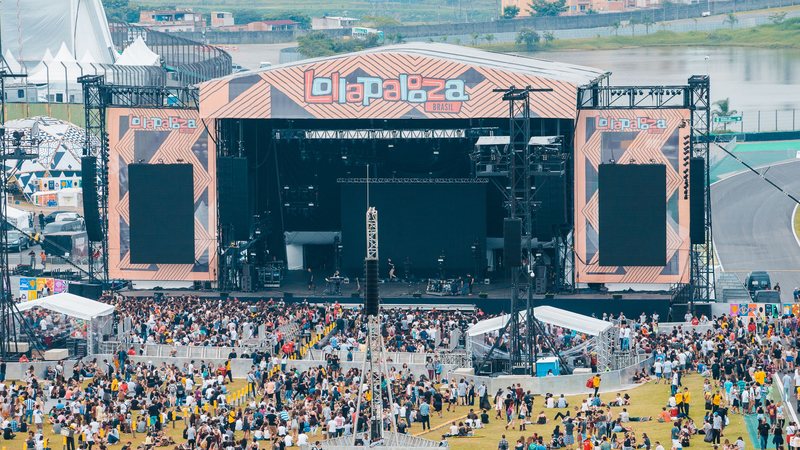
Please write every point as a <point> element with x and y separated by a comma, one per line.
<point>31,288</point>
<point>631,137</point>
<point>161,136</point>
<point>389,83</point>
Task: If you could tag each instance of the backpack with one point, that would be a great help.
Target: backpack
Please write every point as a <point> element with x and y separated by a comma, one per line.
<point>590,383</point>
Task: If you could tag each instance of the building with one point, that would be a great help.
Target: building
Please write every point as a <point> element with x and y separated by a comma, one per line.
<point>580,6</point>
<point>170,20</point>
<point>221,19</point>
<point>332,23</point>
<point>264,25</point>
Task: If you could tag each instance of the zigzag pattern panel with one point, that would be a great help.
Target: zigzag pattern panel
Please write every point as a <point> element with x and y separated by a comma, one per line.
<point>631,137</point>
<point>158,136</point>
<point>381,85</point>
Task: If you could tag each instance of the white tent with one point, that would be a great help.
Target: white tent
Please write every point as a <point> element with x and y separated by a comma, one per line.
<point>11,63</point>
<point>18,217</point>
<point>99,315</point>
<point>71,305</point>
<point>138,54</point>
<point>546,314</point>
<point>30,27</point>
<point>62,69</point>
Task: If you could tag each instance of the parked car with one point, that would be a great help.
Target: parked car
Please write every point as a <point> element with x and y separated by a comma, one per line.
<point>67,216</point>
<point>18,240</point>
<point>758,281</point>
<point>61,227</point>
<point>50,218</point>
<point>767,296</point>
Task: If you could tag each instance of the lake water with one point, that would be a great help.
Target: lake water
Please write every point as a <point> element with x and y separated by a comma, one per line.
<point>753,78</point>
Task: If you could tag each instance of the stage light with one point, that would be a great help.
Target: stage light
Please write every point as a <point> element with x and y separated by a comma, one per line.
<point>632,161</point>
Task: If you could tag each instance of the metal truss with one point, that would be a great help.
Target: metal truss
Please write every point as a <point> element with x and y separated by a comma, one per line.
<point>382,134</point>
<point>97,98</point>
<point>372,233</point>
<point>633,97</point>
<point>695,97</point>
<point>703,262</point>
<point>412,180</point>
<point>96,144</point>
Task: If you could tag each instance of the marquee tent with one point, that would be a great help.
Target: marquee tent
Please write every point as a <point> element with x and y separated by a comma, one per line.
<point>138,54</point>
<point>70,305</point>
<point>98,315</point>
<point>546,314</point>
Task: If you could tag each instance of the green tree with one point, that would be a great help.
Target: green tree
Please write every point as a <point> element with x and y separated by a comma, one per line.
<point>591,11</point>
<point>529,38</point>
<point>489,38</point>
<point>316,44</point>
<point>396,38</point>
<point>545,8</point>
<point>722,108</point>
<point>648,22</point>
<point>731,19</point>
<point>475,38</point>
<point>616,26</point>
<point>777,18</point>
<point>548,37</point>
<point>510,12</point>
<point>632,23</point>
<point>120,11</point>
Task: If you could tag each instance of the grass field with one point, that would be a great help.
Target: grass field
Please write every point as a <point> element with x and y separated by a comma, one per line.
<point>647,400</point>
<point>783,35</point>
<point>406,11</point>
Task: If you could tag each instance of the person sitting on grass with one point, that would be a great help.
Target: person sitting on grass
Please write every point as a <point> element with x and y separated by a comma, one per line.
<point>664,415</point>
<point>641,377</point>
<point>541,419</point>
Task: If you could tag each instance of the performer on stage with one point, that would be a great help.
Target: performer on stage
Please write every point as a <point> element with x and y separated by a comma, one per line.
<point>392,270</point>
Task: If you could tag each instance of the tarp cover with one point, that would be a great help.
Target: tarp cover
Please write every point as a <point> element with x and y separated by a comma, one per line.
<point>547,314</point>
<point>70,305</point>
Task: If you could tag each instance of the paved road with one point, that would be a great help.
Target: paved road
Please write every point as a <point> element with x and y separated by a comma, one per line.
<point>753,228</point>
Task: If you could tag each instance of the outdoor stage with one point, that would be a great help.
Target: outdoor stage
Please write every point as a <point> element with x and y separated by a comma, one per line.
<point>268,176</point>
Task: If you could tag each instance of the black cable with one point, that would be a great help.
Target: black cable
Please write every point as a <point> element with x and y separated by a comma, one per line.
<point>780,189</point>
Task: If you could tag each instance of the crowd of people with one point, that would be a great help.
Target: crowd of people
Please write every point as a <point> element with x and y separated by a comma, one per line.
<point>410,330</point>
<point>125,399</point>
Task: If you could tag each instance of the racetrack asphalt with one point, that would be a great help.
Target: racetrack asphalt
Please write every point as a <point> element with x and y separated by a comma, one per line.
<point>752,224</point>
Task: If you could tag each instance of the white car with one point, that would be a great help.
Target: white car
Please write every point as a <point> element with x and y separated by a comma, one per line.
<point>67,216</point>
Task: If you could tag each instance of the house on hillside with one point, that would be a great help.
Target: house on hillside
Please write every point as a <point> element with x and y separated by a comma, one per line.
<point>332,23</point>
<point>171,20</point>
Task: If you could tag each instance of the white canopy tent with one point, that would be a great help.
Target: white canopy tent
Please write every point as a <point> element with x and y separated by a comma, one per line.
<point>71,305</point>
<point>99,315</point>
<point>547,314</point>
<point>603,333</point>
<point>138,54</point>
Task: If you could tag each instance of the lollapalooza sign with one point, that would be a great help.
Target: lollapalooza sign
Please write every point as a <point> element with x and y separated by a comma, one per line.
<point>437,95</point>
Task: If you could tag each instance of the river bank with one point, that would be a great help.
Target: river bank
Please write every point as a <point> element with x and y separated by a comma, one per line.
<point>780,35</point>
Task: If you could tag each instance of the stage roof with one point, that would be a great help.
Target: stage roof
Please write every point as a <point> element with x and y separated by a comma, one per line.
<point>416,80</point>
<point>547,314</point>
